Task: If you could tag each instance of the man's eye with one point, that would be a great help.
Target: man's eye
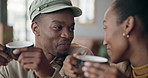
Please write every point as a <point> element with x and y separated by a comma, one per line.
<point>72,29</point>
<point>58,27</point>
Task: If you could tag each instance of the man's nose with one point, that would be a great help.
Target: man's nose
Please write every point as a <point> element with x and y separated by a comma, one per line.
<point>66,34</point>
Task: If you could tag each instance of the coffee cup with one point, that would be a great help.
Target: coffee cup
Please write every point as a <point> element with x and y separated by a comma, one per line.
<point>88,58</point>
<point>9,47</point>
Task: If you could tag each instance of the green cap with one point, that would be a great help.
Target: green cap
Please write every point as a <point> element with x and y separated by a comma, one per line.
<point>46,6</point>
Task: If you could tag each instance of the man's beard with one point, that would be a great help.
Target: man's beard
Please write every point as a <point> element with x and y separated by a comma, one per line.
<point>62,55</point>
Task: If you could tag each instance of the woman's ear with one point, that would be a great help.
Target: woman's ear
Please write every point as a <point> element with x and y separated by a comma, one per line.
<point>130,23</point>
<point>35,28</point>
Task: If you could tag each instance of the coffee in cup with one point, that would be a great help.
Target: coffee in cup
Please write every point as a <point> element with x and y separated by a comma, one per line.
<point>9,47</point>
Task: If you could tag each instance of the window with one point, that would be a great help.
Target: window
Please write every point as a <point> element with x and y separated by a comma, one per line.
<point>88,11</point>
<point>18,18</point>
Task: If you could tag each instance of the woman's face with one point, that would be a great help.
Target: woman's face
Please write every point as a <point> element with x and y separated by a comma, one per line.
<point>114,40</point>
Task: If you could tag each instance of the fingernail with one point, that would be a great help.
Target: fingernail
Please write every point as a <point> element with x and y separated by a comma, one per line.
<point>16,51</point>
<point>87,64</point>
<point>86,74</point>
<point>84,68</point>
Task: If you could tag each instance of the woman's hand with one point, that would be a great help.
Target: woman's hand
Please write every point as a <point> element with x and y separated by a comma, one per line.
<point>70,68</point>
<point>97,70</point>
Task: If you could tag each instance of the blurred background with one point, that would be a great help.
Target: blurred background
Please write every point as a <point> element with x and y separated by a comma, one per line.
<point>15,24</point>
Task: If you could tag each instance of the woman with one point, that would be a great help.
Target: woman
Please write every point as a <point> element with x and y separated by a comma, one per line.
<point>126,39</point>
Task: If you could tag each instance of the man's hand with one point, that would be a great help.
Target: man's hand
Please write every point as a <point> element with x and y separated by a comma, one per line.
<point>33,58</point>
<point>70,68</point>
<point>4,58</point>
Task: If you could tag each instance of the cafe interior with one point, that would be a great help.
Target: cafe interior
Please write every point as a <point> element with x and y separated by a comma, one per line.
<point>15,24</point>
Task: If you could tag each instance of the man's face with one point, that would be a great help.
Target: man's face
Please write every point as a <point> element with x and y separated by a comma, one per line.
<point>56,31</point>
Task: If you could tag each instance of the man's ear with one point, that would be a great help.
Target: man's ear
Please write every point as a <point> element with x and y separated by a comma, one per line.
<point>130,23</point>
<point>35,28</point>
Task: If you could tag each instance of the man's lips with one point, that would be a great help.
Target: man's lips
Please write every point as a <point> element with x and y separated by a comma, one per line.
<point>64,44</point>
<point>108,49</point>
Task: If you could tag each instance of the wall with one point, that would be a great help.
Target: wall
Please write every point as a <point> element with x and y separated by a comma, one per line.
<point>6,34</point>
<point>95,30</point>
<point>3,11</point>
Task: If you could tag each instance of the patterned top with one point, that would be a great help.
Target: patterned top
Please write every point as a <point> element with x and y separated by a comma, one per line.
<point>140,72</point>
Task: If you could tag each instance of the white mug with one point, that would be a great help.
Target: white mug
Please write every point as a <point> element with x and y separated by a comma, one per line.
<point>9,47</point>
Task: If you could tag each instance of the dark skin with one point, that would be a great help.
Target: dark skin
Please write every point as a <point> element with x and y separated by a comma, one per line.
<point>91,69</point>
<point>53,35</point>
<point>4,58</point>
<point>70,67</point>
<point>126,36</point>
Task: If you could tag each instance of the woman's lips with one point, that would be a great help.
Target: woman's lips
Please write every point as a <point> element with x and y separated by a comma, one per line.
<point>108,51</point>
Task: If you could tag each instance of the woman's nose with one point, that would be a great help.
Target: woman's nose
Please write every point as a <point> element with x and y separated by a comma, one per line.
<point>104,43</point>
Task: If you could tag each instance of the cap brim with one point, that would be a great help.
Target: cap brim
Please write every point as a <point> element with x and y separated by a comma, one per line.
<point>76,11</point>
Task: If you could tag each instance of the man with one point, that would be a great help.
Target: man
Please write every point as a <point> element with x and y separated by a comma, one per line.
<point>53,26</point>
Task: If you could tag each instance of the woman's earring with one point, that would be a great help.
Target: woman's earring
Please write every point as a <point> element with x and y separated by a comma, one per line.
<point>127,36</point>
<point>123,34</point>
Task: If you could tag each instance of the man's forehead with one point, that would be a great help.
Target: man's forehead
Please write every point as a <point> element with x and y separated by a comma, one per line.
<point>63,22</point>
